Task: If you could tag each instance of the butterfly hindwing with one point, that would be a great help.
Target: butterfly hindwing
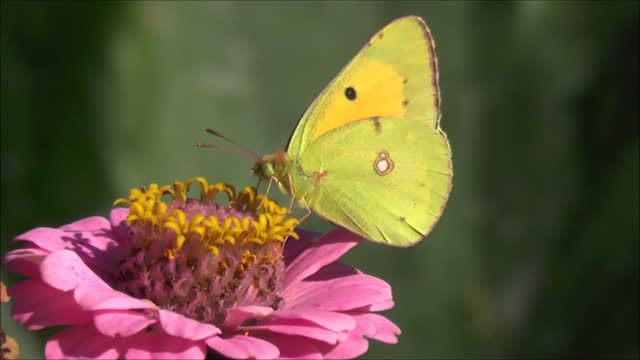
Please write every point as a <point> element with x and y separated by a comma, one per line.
<point>386,179</point>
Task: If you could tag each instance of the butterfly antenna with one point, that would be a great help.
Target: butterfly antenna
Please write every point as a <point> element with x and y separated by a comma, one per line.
<point>240,149</point>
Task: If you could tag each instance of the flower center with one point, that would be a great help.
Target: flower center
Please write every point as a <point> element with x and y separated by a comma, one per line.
<point>197,257</point>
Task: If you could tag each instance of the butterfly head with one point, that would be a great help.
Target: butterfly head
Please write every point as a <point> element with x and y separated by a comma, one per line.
<point>271,166</point>
<point>263,169</point>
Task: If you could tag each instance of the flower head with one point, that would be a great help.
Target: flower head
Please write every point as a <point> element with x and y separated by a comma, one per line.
<point>180,278</point>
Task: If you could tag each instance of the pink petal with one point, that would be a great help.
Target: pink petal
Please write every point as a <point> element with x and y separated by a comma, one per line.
<point>95,298</point>
<point>380,306</point>
<point>91,223</point>
<point>238,315</point>
<point>121,322</point>
<point>329,248</point>
<point>178,325</point>
<point>84,241</point>
<point>377,327</point>
<point>310,332</point>
<point>44,237</point>
<point>91,238</point>
<point>158,345</point>
<point>81,342</point>
<point>243,347</point>
<point>119,224</point>
<point>64,270</point>
<point>37,306</point>
<point>25,261</point>
<point>293,247</point>
<point>334,270</point>
<point>341,294</point>
<point>353,346</point>
<point>294,347</point>
<point>328,319</point>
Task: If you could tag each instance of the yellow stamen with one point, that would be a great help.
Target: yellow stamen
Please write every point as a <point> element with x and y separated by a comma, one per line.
<point>264,220</point>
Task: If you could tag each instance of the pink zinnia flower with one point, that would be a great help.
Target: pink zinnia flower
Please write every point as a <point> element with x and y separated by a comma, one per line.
<point>187,277</point>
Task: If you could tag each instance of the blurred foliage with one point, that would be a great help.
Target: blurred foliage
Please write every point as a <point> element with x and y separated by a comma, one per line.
<point>537,251</point>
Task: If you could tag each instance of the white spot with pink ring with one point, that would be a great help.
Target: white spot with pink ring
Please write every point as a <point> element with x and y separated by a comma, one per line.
<point>383,163</point>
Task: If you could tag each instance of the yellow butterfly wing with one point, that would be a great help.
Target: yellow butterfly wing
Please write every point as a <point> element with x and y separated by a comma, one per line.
<point>394,75</point>
<point>385,179</point>
<point>369,154</point>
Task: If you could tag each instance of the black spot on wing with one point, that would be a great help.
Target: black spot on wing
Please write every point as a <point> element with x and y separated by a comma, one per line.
<point>350,93</point>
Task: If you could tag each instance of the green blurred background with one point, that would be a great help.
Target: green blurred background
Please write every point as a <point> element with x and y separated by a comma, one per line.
<point>537,251</point>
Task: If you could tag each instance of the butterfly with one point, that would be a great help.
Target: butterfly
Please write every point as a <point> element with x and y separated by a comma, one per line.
<point>369,154</point>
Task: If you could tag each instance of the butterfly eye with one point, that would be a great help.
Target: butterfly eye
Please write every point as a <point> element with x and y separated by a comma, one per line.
<point>350,93</point>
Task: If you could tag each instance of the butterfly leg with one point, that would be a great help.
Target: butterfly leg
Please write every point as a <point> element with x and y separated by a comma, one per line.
<point>305,216</point>
<point>258,184</point>
<point>266,193</point>
<point>293,195</point>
